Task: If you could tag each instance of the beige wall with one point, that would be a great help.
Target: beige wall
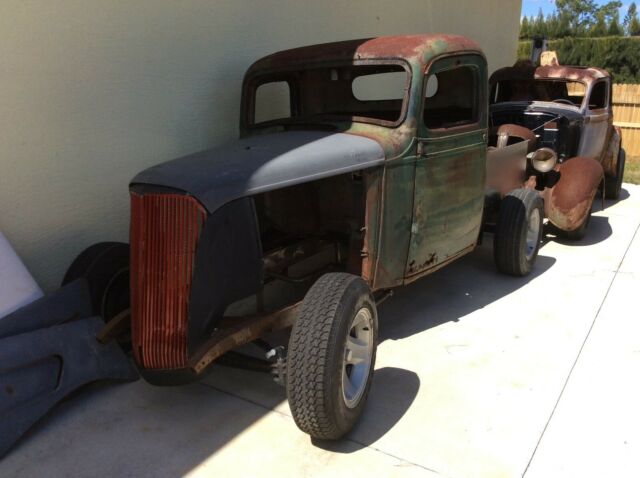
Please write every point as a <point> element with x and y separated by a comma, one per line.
<point>93,91</point>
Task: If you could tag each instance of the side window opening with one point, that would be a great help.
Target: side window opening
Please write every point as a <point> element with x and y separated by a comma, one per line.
<point>451,98</point>
<point>598,98</point>
<point>369,93</point>
<point>273,101</point>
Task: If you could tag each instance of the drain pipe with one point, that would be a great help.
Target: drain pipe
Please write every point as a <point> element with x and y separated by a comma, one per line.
<point>538,46</point>
<point>17,287</point>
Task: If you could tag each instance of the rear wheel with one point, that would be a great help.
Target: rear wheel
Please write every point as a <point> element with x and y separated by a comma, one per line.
<point>518,232</point>
<point>613,184</point>
<point>331,356</point>
<point>105,266</point>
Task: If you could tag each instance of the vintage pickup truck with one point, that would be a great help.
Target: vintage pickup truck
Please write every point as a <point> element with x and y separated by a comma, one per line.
<point>362,166</point>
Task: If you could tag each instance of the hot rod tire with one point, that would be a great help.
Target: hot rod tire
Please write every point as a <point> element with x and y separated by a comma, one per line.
<point>331,356</point>
<point>105,266</point>
<point>518,232</point>
<point>613,184</point>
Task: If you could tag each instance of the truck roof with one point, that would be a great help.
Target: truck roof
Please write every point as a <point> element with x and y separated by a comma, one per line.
<point>526,71</point>
<point>418,50</point>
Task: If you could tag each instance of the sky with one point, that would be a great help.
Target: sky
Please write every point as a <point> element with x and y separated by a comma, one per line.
<point>531,7</point>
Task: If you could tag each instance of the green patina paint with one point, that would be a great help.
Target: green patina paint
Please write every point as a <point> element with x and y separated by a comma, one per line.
<point>427,207</point>
<point>432,202</point>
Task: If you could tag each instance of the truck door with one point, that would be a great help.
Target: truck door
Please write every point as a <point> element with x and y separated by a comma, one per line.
<point>450,165</point>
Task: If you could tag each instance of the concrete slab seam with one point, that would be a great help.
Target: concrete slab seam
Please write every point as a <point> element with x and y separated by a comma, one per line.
<point>426,468</point>
<point>564,386</point>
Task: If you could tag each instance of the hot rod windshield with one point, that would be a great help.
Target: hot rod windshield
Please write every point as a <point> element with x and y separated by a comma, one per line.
<point>559,91</point>
<point>368,93</point>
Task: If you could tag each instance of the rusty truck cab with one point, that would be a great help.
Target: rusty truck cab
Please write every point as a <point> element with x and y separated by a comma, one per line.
<point>383,180</point>
<point>423,208</point>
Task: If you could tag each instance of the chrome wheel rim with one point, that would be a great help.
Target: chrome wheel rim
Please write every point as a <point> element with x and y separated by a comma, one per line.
<point>358,352</point>
<point>533,233</point>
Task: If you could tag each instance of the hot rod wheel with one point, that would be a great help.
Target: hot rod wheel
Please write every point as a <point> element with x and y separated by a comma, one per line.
<point>518,232</point>
<point>332,353</point>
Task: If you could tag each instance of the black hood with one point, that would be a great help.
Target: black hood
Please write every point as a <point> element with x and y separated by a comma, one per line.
<point>263,163</point>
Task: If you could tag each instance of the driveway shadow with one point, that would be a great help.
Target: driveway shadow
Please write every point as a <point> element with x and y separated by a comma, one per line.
<point>462,287</point>
<point>599,206</point>
<point>393,390</point>
<point>599,230</point>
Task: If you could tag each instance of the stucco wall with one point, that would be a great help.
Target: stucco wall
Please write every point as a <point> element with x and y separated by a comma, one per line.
<point>91,92</point>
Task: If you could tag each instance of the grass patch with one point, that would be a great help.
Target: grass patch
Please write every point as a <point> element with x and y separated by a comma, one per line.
<point>632,170</point>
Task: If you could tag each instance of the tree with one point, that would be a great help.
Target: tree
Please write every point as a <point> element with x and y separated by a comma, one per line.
<point>634,27</point>
<point>610,10</point>
<point>615,30</point>
<point>632,12</point>
<point>599,27</point>
<point>525,29</point>
<point>578,13</point>
<point>552,26</point>
<point>539,25</point>
<point>564,27</point>
<point>631,23</point>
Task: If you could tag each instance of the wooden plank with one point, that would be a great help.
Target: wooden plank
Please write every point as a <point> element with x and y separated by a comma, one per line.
<point>626,113</point>
<point>624,124</point>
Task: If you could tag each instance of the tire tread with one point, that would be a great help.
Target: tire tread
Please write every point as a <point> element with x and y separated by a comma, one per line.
<point>310,354</point>
<point>512,223</point>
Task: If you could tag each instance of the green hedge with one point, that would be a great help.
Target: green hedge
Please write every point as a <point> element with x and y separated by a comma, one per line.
<point>620,56</point>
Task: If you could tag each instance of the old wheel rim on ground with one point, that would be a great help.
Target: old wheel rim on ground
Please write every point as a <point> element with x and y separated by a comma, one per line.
<point>358,352</point>
<point>533,233</point>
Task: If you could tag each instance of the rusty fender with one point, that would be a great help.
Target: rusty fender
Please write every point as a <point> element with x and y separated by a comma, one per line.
<point>568,202</point>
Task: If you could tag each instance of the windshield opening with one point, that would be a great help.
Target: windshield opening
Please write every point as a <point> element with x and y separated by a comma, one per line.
<point>558,91</point>
<point>370,93</point>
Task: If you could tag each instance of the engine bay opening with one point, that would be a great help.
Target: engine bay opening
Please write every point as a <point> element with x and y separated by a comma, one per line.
<point>320,224</point>
<point>549,129</point>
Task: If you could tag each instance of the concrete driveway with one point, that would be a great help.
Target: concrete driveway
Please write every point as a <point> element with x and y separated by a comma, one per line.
<point>478,375</point>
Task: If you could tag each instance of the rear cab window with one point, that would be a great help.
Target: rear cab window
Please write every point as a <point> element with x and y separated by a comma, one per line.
<point>598,99</point>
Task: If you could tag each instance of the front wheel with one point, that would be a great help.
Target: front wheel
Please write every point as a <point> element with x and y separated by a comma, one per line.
<point>332,352</point>
<point>518,232</point>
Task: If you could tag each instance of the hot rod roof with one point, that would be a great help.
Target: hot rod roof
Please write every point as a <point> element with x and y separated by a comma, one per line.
<point>527,71</point>
<point>416,49</point>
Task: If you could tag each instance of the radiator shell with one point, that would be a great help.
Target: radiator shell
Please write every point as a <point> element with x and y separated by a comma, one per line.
<point>164,234</point>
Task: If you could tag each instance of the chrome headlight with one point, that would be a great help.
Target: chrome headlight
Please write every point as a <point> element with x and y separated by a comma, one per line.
<point>543,160</point>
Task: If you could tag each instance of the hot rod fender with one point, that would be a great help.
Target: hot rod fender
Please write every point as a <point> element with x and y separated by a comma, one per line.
<point>227,267</point>
<point>568,202</point>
